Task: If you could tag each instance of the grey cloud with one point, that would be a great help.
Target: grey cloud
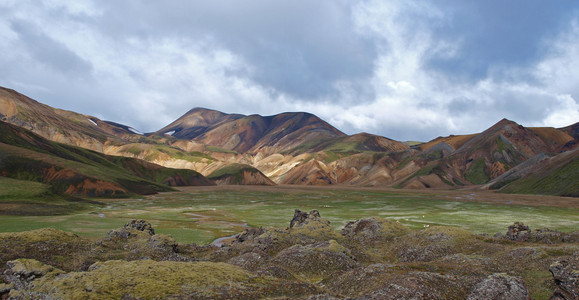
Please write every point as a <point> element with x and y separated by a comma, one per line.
<point>496,33</point>
<point>298,47</point>
<point>155,60</point>
<point>49,52</point>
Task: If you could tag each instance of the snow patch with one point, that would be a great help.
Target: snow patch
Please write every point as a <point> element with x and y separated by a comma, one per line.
<point>95,124</point>
<point>171,133</point>
<point>133,130</point>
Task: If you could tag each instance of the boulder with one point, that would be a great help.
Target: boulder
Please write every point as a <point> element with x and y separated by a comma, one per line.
<point>140,225</point>
<point>249,234</point>
<point>372,229</point>
<point>566,276</point>
<point>500,286</point>
<point>315,260</point>
<point>432,243</point>
<point>302,218</point>
<point>518,232</point>
<point>521,233</point>
<point>381,281</point>
<point>22,272</point>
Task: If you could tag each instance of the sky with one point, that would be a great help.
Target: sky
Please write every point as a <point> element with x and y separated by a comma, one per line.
<point>407,70</point>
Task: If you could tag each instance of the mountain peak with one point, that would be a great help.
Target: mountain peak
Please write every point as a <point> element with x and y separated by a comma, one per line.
<point>504,123</point>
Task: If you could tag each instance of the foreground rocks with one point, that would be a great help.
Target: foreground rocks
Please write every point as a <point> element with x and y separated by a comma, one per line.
<point>566,275</point>
<point>370,258</point>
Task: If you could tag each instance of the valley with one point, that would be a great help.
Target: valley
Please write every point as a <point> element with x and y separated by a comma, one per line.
<point>202,214</point>
<point>95,209</point>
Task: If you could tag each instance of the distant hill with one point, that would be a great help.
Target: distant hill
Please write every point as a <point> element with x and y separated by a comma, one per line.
<point>480,158</point>
<point>300,148</point>
<point>239,174</point>
<point>74,171</point>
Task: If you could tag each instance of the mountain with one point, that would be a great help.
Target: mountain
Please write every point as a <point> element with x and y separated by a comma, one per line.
<point>300,148</point>
<point>59,125</point>
<point>239,133</point>
<point>557,175</point>
<point>74,171</point>
<point>480,158</point>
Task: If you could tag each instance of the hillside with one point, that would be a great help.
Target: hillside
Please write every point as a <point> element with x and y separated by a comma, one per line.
<point>557,175</point>
<point>239,174</point>
<point>59,125</point>
<point>73,171</point>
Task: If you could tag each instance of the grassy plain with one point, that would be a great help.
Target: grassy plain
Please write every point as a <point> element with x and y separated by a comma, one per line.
<point>202,214</point>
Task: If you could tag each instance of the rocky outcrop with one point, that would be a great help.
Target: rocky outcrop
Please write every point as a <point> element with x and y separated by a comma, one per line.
<point>140,225</point>
<point>500,286</point>
<point>137,240</point>
<point>371,258</point>
<point>566,276</point>
<point>372,229</point>
<point>147,279</point>
<point>520,232</point>
<point>315,260</point>
<point>301,218</point>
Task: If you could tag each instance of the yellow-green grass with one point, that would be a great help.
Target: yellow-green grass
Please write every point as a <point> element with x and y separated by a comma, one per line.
<point>202,216</point>
<point>21,197</point>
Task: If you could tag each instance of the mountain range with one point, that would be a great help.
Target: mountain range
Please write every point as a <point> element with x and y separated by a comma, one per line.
<point>210,147</point>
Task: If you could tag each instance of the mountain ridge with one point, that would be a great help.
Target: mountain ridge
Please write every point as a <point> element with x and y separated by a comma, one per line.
<point>301,148</point>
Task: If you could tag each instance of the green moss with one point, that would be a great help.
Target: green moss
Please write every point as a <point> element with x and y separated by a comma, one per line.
<point>39,235</point>
<point>144,279</point>
<point>32,266</point>
<point>477,172</point>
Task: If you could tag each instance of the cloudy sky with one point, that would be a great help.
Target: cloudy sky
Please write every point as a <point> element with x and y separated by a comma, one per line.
<point>408,70</point>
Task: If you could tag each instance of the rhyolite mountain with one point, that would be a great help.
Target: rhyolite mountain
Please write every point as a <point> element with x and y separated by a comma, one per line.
<point>249,134</point>
<point>70,171</point>
<point>300,148</point>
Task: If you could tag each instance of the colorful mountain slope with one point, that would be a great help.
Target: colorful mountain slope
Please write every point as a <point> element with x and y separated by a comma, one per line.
<point>75,171</point>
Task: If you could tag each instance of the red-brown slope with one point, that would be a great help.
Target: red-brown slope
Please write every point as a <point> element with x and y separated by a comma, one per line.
<point>56,124</point>
<point>250,133</point>
<point>499,148</point>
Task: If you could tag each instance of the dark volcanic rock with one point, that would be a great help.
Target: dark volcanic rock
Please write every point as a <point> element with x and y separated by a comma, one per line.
<point>522,233</point>
<point>22,272</point>
<point>566,276</point>
<point>500,286</point>
<point>367,226</point>
<point>380,281</point>
<point>373,229</point>
<point>249,234</point>
<point>249,261</point>
<point>432,243</point>
<point>302,218</point>
<point>518,232</point>
<point>320,259</point>
<point>140,225</point>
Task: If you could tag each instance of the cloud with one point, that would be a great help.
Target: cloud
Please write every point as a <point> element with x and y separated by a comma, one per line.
<point>409,70</point>
<point>51,53</point>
